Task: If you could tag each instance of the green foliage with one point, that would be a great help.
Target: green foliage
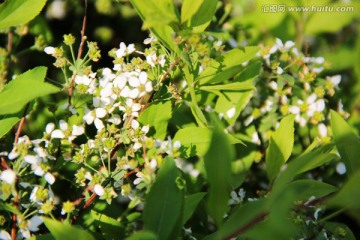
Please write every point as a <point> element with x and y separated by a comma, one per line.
<point>25,88</point>
<point>347,143</point>
<point>61,230</point>
<point>18,12</point>
<point>280,146</point>
<point>165,203</point>
<point>218,169</point>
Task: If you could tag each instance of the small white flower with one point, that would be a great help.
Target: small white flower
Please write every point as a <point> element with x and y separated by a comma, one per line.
<point>279,71</point>
<point>335,80</point>
<point>231,112</point>
<point>294,109</point>
<point>49,127</point>
<point>49,50</point>
<point>8,176</point>
<point>49,178</point>
<point>124,51</point>
<point>99,190</point>
<point>115,119</point>
<point>137,146</point>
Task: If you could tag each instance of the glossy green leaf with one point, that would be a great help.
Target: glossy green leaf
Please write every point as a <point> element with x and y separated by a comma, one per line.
<point>203,16</point>
<point>7,122</point>
<point>227,65</point>
<point>196,140</point>
<point>162,31</point>
<point>280,146</point>
<point>191,202</point>
<point>347,142</point>
<point>62,230</point>
<point>110,228</point>
<point>143,235</point>
<point>198,115</point>
<point>307,188</point>
<point>24,88</point>
<point>333,227</point>
<point>164,203</point>
<point>157,115</point>
<point>43,237</point>
<point>18,12</point>
<point>249,212</point>
<point>236,86</point>
<point>218,169</point>
<point>189,8</point>
<point>349,195</point>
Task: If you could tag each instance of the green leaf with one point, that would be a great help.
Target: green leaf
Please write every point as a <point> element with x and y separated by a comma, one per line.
<point>62,230</point>
<point>218,169</point>
<point>189,8</point>
<point>236,86</point>
<point>24,88</point>
<point>198,115</point>
<point>202,18</point>
<point>333,227</point>
<point>195,141</point>
<point>7,122</point>
<point>226,65</point>
<point>248,212</point>
<point>307,188</point>
<point>109,227</point>
<point>191,202</point>
<point>157,115</point>
<point>43,237</point>
<point>280,146</point>
<point>347,142</point>
<point>161,30</point>
<point>143,235</point>
<point>18,12</point>
<point>164,203</point>
<point>349,195</point>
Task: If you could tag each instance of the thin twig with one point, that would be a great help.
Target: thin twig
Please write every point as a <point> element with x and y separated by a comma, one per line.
<point>247,226</point>
<point>83,38</point>
<point>21,125</point>
<point>4,164</point>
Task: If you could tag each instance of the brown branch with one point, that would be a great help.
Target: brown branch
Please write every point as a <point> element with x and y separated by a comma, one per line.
<point>21,124</point>
<point>83,37</point>
<point>4,164</point>
<point>247,226</point>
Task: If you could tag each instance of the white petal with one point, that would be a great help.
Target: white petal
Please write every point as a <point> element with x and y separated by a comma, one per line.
<point>294,109</point>
<point>143,77</point>
<point>320,105</point>
<point>145,129</point>
<point>134,124</point>
<point>131,48</point>
<point>148,86</point>
<point>49,50</point>
<point>335,79</point>
<point>34,223</point>
<point>279,43</point>
<point>57,134</point>
<point>288,45</point>
<point>134,82</point>
<point>38,171</point>
<point>153,164</point>
<point>63,125</point>
<point>134,93</point>
<point>136,107</point>
<point>341,168</point>
<point>177,144</point>
<point>311,99</point>
<point>99,124</point>
<point>49,127</point>
<point>77,130</point>
<point>115,119</point>
<point>137,146</point>
<point>137,181</point>
<point>89,117</point>
<point>13,155</point>
<point>100,112</point>
<point>99,190</point>
<point>4,235</point>
<point>279,71</point>
<point>49,178</point>
<point>31,159</point>
<point>125,92</point>
<point>8,176</point>
<point>106,92</point>
<point>273,85</point>
<point>322,130</point>
<point>120,81</point>
<point>231,112</point>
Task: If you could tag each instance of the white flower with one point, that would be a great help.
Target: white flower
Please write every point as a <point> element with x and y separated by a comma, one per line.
<point>131,108</point>
<point>99,124</point>
<point>8,176</point>
<point>63,125</point>
<point>56,9</point>
<point>255,138</point>
<point>139,178</point>
<point>115,119</point>
<point>49,127</point>
<point>294,109</point>
<point>137,146</point>
<point>149,40</point>
<point>177,144</point>
<point>145,129</point>
<point>279,71</point>
<point>284,47</point>
<point>100,112</point>
<point>49,178</point>
<point>334,80</point>
<point>231,112</point>
<point>12,155</point>
<point>153,164</point>
<point>49,50</point>
<point>85,80</point>
<point>99,190</point>
<point>273,85</point>
<point>124,51</point>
